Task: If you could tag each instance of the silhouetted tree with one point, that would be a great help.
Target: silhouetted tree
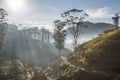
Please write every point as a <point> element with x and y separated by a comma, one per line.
<point>35,32</point>
<point>42,35</point>
<point>3,30</point>
<point>48,36</point>
<point>116,20</point>
<point>3,14</point>
<point>25,31</point>
<point>74,20</point>
<point>59,35</point>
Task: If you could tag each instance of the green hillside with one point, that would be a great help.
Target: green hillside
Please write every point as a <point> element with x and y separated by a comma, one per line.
<point>103,52</point>
<point>97,59</point>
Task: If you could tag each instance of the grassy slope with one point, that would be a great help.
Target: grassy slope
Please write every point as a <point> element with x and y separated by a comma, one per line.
<point>62,71</point>
<point>100,55</point>
<point>103,52</point>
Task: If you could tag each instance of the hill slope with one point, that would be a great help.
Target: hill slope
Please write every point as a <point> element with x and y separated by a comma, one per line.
<point>98,59</point>
<point>103,51</point>
<point>17,70</point>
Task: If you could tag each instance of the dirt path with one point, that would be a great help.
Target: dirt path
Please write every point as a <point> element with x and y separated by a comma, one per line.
<point>65,59</point>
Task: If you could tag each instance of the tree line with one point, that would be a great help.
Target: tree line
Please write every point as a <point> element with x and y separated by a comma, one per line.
<point>31,33</point>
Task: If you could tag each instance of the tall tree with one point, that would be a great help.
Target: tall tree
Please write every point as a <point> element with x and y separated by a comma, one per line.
<point>59,35</point>
<point>74,20</point>
<point>116,20</point>
<point>3,14</point>
<point>48,35</point>
<point>43,34</point>
<point>3,29</point>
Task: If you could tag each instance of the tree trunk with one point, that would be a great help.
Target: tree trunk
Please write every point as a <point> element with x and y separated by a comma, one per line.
<point>75,46</point>
<point>59,53</point>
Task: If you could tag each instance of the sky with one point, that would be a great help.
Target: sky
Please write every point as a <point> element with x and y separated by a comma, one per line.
<point>42,13</point>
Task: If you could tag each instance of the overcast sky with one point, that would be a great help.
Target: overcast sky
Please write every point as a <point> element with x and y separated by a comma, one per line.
<point>42,13</point>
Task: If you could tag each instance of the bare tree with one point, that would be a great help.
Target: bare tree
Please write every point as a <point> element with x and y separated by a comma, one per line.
<point>74,20</point>
<point>116,20</point>
<point>59,35</point>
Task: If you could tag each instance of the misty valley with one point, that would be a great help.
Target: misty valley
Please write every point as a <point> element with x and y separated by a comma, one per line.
<point>59,42</point>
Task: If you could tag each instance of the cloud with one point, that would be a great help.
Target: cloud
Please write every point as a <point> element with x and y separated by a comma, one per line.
<point>99,13</point>
<point>42,17</point>
<point>32,14</point>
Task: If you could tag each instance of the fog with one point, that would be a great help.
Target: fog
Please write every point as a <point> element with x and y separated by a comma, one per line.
<point>31,45</point>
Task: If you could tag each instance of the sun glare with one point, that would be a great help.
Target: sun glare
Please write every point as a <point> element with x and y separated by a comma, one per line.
<point>16,4</point>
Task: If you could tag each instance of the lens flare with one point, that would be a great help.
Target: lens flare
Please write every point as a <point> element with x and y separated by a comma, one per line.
<point>16,4</point>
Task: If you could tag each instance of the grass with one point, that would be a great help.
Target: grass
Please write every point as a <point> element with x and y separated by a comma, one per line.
<point>100,56</point>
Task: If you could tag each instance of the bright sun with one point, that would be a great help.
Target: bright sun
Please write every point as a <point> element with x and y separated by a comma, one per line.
<point>16,4</point>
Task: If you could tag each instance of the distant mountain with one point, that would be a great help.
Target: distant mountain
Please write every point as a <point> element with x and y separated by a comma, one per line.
<point>94,29</point>
<point>91,31</point>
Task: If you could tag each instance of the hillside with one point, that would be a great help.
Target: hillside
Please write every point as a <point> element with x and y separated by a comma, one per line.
<point>103,51</point>
<point>97,59</point>
<point>17,70</point>
<point>93,29</point>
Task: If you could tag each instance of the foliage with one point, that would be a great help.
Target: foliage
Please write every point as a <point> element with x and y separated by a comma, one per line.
<point>74,20</point>
<point>102,53</point>
<point>59,35</point>
<point>16,70</point>
<point>77,73</point>
<point>101,56</point>
<point>116,20</point>
<point>3,14</point>
<point>3,29</point>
